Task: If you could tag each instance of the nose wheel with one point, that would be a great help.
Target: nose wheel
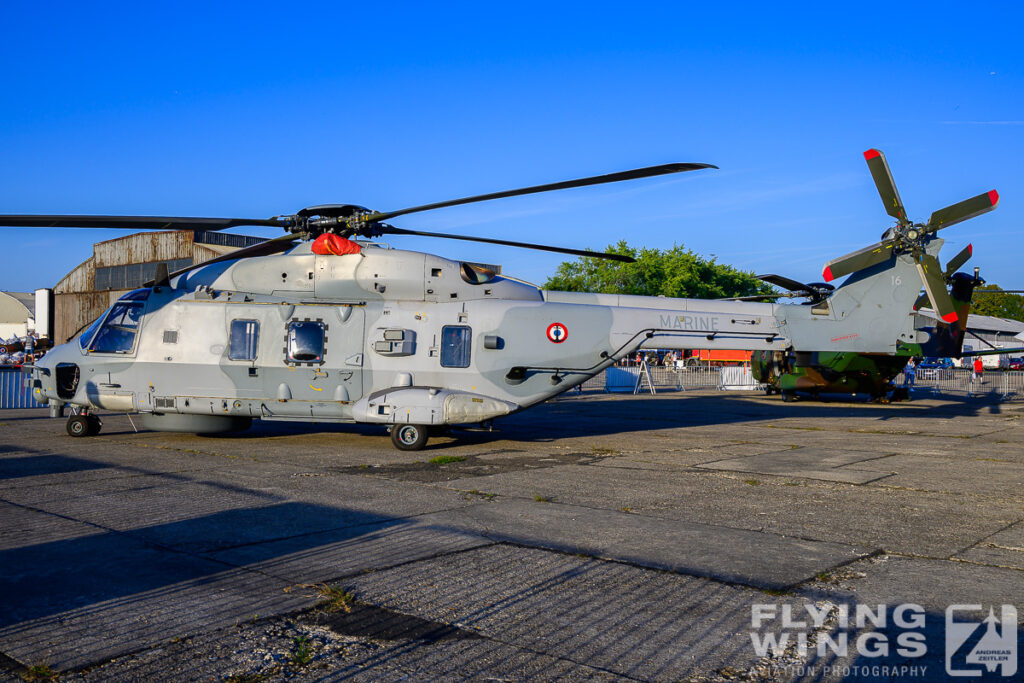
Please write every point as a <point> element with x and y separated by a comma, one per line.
<point>84,425</point>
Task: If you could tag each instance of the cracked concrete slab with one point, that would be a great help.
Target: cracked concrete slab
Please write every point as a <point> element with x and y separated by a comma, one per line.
<point>195,552</point>
<point>729,555</point>
<point>808,463</point>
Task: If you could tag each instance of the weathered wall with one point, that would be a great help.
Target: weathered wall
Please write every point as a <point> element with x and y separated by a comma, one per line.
<point>144,247</point>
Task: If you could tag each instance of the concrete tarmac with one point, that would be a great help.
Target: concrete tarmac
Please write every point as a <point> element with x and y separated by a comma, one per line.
<point>594,537</point>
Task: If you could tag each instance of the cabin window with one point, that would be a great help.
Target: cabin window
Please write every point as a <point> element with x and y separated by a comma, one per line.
<point>245,338</point>
<point>455,346</point>
<point>117,334</point>
<point>305,341</point>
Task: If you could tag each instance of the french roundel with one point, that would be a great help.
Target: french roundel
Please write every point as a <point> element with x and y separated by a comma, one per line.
<point>557,333</point>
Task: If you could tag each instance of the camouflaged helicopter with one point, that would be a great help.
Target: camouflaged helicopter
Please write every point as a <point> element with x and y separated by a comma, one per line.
<point>322,325</point>
<point>843,372</point>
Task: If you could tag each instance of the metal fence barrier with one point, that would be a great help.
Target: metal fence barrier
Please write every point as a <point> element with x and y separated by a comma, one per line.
<point>1006,385</point>
<point>624,378</point>
<point>1013,385</point>
<point>15,389</point>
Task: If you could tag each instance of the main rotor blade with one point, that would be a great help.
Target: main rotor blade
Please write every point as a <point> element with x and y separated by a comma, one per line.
<point>392,230</point>
<point>132,222</point>
<point>274,246</point>
<point>858,260</point>
<point>961,211</point>
<point>958,260</point>
<point>786,283</point>
<point>935,286</point>
<point>879,168</point>
<point>647,172</point>
<point>765,297</point>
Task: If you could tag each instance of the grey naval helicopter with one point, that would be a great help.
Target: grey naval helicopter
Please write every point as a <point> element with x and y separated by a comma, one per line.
<point>319,326</point>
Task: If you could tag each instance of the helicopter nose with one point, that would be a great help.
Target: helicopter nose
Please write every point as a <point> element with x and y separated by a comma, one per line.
<point>44,376</point>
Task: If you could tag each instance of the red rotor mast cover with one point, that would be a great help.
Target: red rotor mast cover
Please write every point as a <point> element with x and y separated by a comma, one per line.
<point>329,244</point>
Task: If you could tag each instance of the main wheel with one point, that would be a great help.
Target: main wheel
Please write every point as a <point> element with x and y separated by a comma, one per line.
<point>788,396</point>
<point>78,425</point>
<point>409,437</point>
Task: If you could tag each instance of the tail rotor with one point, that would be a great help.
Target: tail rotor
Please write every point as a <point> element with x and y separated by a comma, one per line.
<point>910,238</point>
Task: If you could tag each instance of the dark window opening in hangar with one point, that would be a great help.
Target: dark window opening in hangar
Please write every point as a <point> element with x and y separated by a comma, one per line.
<point>224,239</point>
<point>134,275</point>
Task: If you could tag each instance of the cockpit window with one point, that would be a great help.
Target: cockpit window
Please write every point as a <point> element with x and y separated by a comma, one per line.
<point>88,334</point>
<point>476,275</point>
<point>117,334</point>
<point>136,295</point>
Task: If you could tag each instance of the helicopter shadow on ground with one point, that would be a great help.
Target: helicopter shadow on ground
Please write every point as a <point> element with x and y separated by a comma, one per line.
<point>21,466</point>
<point>571,417</point>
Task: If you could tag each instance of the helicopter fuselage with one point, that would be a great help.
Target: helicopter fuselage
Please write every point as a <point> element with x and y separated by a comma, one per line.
<point>398,337</point>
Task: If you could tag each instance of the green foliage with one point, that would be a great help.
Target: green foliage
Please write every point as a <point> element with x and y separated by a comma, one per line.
<point>445,459</point>
<point>675,272</point>
<point>998,305</point>
<point>39,672</point>
<point>302,651</point>
<point>337,599</point>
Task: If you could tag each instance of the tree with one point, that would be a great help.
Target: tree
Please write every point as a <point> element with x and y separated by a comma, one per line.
<point>675,272</point>
<point>999,305</point>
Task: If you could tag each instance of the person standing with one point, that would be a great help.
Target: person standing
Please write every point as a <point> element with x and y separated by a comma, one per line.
<point>979,371</point>
<point>910,373</point>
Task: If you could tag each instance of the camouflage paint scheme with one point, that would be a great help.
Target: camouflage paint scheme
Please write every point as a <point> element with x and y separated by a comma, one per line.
<point>824,372</point>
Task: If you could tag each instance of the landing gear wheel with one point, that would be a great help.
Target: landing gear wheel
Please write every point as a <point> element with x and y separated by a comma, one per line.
<point>78,425</point>
<point>95,425</point>
<point>409,437</point>
<point>788,396</point>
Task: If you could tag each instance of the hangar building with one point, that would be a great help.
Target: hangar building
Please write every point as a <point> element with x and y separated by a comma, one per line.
<point>17,313</point>
<point>123,264</point>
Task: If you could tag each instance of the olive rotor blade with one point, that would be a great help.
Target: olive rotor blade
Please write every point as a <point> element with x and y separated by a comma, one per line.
<point>858,260</point>
<point>879,168</point>
<point>935,287</point>
<point>958,260</point>
<point>961,211</point>
<point>785,283</point>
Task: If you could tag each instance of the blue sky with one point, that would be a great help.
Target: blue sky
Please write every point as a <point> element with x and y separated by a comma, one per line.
<point>254,109</point>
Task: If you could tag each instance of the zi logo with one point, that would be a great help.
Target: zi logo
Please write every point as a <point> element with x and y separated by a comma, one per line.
<point>990,643</point>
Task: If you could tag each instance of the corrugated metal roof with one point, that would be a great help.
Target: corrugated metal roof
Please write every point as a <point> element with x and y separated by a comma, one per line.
<point>986,323</point>
<point>16,307</point>
<point>27,299</point>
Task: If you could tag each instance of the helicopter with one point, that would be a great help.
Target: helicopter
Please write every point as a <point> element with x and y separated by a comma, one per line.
<point>825,372</point>
<point>843,372</point>
<point>322,324</point>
